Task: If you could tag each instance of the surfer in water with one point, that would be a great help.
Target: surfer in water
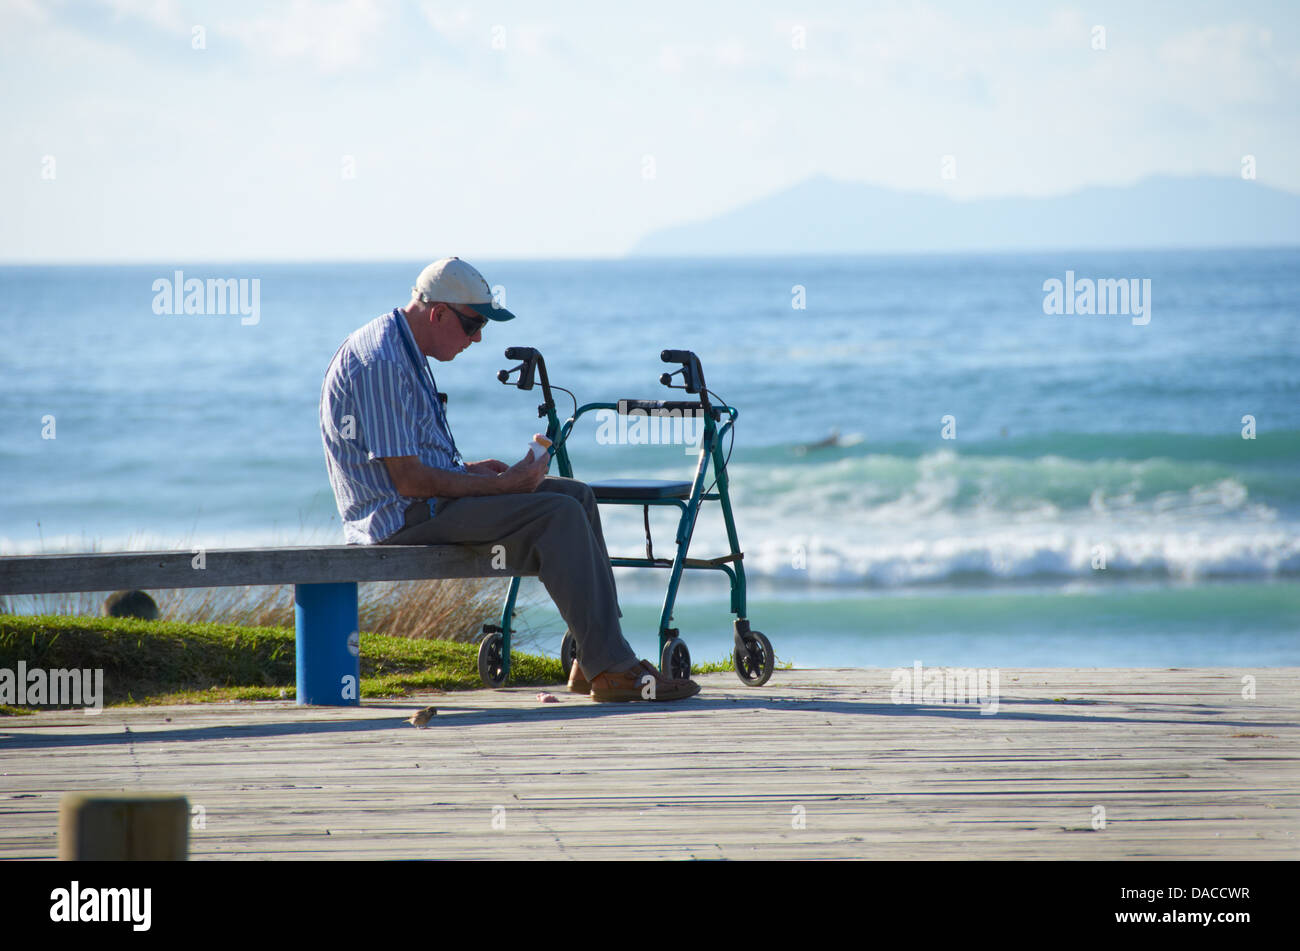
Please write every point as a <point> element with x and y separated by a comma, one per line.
<point>829,442</point>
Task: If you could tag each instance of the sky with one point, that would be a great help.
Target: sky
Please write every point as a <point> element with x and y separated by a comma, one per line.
<point>161,130</point>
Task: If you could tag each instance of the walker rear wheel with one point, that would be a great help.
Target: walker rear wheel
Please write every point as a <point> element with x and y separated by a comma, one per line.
<point>754,664</point>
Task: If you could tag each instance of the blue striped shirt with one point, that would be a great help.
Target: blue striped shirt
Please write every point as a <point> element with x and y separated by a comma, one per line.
<point>377,401</point>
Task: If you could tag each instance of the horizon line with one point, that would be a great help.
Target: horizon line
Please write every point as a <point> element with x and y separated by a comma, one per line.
<point>639,257</point>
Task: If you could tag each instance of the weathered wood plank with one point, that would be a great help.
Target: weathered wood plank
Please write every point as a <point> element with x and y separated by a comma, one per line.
<point>1184,766</point>
<point>110,571</point>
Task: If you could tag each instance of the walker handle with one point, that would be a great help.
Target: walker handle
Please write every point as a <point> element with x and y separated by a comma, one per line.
<point>530,358</point>
<point>532,364</point>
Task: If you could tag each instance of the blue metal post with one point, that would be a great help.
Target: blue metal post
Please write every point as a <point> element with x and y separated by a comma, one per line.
<point>328,646</point>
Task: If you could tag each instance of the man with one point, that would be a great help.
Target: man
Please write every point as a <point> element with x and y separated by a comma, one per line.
<point>399,479</point>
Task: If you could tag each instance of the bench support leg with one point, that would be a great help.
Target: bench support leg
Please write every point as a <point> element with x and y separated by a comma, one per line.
<point>328,647</point>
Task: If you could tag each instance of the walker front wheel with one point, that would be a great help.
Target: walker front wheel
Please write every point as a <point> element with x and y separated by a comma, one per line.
<point>491,660</point>
<point>754,664</point>
<point>568,652</point>
<point>675,661</point>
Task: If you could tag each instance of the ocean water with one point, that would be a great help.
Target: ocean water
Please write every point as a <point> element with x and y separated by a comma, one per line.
<point>1003,486</point>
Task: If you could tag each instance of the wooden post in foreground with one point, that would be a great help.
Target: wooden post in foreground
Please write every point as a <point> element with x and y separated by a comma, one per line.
<point>118,826</point>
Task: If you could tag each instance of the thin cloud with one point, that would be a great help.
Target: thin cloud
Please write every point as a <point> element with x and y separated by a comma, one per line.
<point>330,36</point>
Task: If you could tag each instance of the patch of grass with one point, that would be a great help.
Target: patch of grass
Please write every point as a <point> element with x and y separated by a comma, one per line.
<point>152,662</point>
<point>214,695</point>
<point>728,665</point>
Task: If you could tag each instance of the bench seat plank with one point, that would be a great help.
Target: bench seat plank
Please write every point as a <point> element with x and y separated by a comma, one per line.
<point>111,571</point>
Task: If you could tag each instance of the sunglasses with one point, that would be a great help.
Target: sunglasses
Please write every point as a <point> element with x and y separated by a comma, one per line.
<point>471,324</point>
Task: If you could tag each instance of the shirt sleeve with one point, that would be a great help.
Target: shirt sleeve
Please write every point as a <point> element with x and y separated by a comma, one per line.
<point>387,411</point>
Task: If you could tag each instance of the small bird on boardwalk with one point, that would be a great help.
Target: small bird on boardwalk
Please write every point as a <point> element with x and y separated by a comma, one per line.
<point>422,718</point>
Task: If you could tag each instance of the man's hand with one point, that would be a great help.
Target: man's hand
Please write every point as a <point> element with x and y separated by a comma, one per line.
<point>525,475</point>
<point>486,467</point>
<point>415,480</point>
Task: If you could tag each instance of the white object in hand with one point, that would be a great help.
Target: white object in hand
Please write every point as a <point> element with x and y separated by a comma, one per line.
<point>538,447</point>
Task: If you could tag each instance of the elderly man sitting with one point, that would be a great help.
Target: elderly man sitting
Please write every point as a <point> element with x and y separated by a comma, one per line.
<point>399,479</point>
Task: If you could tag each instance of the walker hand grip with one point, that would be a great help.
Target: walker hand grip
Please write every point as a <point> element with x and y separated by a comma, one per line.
<point>676,356</point>
<point>657,407</point>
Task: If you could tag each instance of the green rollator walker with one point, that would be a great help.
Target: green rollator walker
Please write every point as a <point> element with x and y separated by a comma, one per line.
<point>753,651</point>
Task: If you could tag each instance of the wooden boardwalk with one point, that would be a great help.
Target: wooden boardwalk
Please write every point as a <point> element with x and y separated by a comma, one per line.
<point>817,764</point>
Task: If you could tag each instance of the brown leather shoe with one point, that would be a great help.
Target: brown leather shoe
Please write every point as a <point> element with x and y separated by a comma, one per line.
<point>642,682</point>
<point>578,682</point>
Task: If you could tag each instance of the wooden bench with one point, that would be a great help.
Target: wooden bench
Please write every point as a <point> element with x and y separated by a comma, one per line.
<point>325,590</point>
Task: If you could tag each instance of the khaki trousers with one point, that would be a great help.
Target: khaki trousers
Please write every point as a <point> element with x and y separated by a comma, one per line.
<point>553,532</point>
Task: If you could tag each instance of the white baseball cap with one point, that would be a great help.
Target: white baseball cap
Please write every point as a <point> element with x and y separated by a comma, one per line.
<point>452,281</point>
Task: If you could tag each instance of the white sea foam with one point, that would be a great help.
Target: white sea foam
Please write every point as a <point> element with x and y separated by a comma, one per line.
<point>1008,556</point>
<point>249,538</point>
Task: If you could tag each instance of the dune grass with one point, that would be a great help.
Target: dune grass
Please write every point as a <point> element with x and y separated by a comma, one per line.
<point>453,610</point>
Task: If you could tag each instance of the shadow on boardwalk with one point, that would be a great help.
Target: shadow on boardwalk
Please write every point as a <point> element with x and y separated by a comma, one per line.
<point>576,710</point>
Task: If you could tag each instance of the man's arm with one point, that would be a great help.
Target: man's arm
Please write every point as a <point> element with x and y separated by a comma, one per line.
<point>486,467</point>
<point>415,480</point>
